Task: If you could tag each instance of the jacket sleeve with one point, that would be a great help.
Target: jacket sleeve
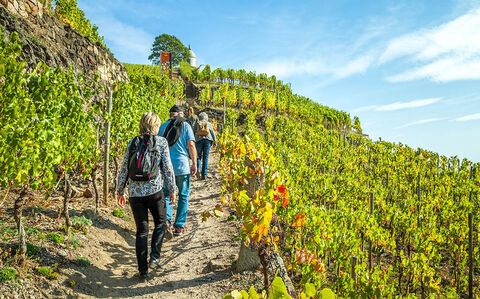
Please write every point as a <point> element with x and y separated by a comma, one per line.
<point>195,131</point>
<point>123,174</point>
<point>167,168</point>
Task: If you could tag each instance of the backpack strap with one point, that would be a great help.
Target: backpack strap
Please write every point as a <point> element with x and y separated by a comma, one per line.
<point>174,130</point>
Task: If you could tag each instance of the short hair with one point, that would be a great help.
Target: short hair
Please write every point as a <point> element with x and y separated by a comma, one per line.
<point>176,108</point>
<point>203,116</point>
<point>190,111</point>
<point>149,123</point>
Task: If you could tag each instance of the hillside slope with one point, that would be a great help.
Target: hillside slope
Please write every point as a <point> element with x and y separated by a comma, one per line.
<point>195,265</point>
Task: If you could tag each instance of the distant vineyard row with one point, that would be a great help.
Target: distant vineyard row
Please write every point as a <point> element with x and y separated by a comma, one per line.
<point>368,219</point>
<point>263,94</point>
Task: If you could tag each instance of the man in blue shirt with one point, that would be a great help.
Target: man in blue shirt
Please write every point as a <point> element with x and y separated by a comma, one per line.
<point>180,153</point>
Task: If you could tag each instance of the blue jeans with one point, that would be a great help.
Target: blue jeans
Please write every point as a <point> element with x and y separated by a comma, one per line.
<point>183,184</point>
<point>203,149</point>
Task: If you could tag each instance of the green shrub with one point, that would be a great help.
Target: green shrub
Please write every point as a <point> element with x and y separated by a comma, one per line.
<point>68,12</point>
<point>47,272</point>
<point>118,213</point>
<point>32,250</point>
<point>32,231</point>
<point>55,238</point>
<point>81,223</point>
<point>75,242</point>
<point>7,274</point>
<point>42,237</point>
<point>64,228</point>
<point>83,261</point>
<point>8,231</point>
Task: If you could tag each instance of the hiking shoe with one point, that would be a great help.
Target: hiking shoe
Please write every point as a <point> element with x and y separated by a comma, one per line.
<point>178,231</point>
<point>168,232</point>
<point>155,265</point>
<point>142,277</point>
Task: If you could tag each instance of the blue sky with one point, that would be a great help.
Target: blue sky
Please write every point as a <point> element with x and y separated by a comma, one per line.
<point>409,69</point>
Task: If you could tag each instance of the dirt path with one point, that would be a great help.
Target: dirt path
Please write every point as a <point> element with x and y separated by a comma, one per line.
<point>196,264</point>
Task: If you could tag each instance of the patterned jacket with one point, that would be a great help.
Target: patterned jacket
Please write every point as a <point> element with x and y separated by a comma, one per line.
<point>145,188</point>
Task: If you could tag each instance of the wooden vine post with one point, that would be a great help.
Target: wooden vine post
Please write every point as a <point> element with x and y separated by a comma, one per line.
<point>17,214</point>
<point>107,149</point>
<point>354,264</point>
<point>95,188</point>
<point>66,198</point>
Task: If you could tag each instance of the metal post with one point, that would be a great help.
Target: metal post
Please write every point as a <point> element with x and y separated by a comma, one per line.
<point>175,91</point>
<point>419,190</point>
<point>370,243</point>
<point>107,148</point>
<point>470,253</point>
<point>171,65</point>
<point>224,110</point>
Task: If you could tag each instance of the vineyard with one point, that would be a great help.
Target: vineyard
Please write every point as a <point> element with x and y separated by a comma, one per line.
<point>364,218</point>
<point>54,123</point>
<point>361,217</point>
<point>375,219</point>
<point>348,215</point>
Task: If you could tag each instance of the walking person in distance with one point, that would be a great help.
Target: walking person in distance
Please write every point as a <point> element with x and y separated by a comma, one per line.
<point>181,141</point>
<point>145,165</point>
<point>204,138</point>
<point>191,117</point>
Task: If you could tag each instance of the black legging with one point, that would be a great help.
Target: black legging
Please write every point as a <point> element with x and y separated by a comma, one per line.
<point>140,206</point>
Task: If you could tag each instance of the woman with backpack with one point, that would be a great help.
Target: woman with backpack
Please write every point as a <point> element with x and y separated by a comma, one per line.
<point>145,165</point>
<point>204,138</point>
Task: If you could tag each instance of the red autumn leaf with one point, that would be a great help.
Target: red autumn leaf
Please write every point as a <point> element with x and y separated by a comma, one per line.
<point>282,189</point>
<point>276,197</point>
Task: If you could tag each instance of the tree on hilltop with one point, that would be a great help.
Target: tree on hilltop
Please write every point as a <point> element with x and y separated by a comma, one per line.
<point>171,44</point>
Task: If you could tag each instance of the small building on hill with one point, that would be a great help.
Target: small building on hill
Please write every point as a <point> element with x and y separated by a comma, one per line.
<point>193,58</point>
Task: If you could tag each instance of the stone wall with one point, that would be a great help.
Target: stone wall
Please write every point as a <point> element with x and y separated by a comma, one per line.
<point>24,9</point>
<point>48,40</point>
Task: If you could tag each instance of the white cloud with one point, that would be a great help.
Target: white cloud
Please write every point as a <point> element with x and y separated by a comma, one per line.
<point>443,70</point>
<point>445,53</point>
<point>407,105</point>
<point>475,116</point>
<point>398,105</point>
<point>356,66</point>
<point>285,68</point>
<point>420,122</point>
<point>127,42</point>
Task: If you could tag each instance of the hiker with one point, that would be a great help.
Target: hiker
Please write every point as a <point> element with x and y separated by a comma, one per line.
<point>204,138</point>
<point>145,165</point>
<point>191,117</point>
<point>181,142</point>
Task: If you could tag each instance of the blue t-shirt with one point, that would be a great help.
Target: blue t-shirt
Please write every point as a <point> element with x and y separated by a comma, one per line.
<point>179,151</point>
